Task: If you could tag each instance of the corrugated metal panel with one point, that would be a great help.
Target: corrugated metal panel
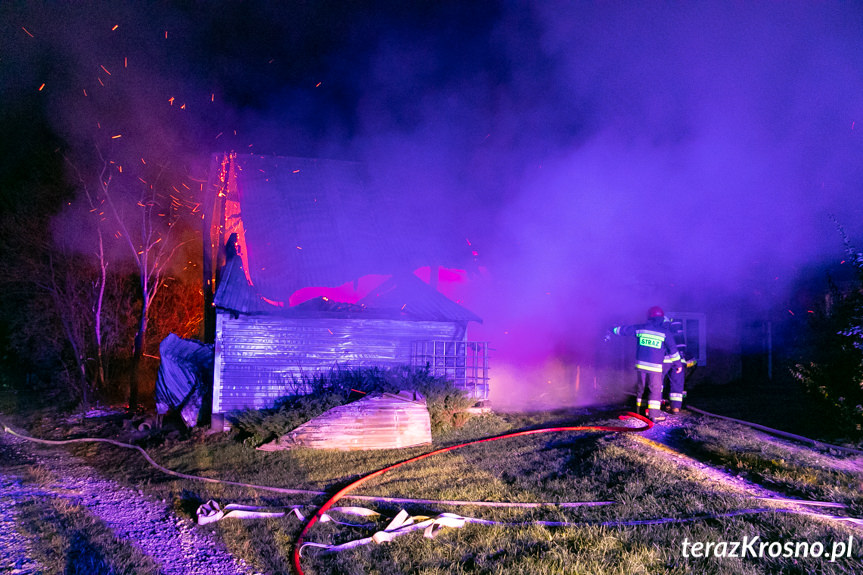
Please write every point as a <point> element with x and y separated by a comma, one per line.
<point>259,358</point>
<point>381,421</point>
<point>217,366</point>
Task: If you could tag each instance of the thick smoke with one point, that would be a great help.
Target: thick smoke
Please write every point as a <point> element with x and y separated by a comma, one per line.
<point>598,159</point>
<point>688,156</point>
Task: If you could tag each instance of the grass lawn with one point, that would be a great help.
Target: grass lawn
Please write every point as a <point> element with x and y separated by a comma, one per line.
<point>555,467</point>
<point>780,465</point>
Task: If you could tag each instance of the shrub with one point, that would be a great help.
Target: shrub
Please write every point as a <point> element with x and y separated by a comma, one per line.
<point>830,365</point>
<point>323,391</point>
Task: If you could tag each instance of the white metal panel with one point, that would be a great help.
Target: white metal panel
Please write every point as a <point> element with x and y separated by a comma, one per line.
<point>262,358</point>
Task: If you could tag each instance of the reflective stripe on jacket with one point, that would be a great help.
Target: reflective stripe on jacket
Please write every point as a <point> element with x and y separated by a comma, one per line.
<point>654,343</point>
<point>647,366</point>
<point>675,328</point>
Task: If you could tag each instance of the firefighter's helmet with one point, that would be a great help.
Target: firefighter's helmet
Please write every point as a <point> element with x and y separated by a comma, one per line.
<point>655,311</point>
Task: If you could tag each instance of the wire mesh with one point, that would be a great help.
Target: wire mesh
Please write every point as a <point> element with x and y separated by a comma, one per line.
<point>465,363</point>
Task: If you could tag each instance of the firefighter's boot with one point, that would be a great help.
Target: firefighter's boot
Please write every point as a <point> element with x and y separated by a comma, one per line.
<point>653,411</point>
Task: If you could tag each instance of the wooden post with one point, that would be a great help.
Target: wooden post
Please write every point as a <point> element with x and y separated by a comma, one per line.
<point>217,182</point>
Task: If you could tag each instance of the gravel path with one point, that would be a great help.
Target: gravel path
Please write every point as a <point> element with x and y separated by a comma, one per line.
<point>15,555</point>
<point>175,544</point>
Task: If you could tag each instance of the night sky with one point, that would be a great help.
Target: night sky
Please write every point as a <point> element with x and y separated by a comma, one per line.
<point>581,150</point>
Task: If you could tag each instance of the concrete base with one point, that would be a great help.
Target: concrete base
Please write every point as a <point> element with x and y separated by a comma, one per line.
<point>218,424</point>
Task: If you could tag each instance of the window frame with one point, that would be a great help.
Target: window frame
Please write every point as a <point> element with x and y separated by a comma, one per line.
<point>701,319</point>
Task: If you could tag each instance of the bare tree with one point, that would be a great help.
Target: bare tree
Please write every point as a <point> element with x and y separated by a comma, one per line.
<point>71,294</point>
<point>149,235</point>
<point>54,288</point>
<point>102,261</point>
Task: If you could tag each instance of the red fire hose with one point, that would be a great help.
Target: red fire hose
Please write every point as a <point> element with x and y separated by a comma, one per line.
<point>350,487</point>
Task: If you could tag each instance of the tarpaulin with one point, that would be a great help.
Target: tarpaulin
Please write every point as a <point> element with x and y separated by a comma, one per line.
<point>185,374</point>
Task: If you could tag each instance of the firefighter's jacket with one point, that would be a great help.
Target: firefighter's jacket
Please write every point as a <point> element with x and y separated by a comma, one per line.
<point>675,327</point>
<point>655,341</point>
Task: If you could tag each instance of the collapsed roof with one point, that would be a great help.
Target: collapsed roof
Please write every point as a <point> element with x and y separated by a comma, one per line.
<point>302,222</point>
<point>402,296</point>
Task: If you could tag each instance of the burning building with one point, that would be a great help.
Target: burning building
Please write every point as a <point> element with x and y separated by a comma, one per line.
<point>307,270</point>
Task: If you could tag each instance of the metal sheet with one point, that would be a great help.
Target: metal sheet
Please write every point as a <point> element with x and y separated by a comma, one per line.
<point>262,358</point>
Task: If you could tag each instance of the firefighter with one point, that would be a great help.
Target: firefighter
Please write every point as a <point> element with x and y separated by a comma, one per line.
<point>654,343</point>
<point>676,374</point>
